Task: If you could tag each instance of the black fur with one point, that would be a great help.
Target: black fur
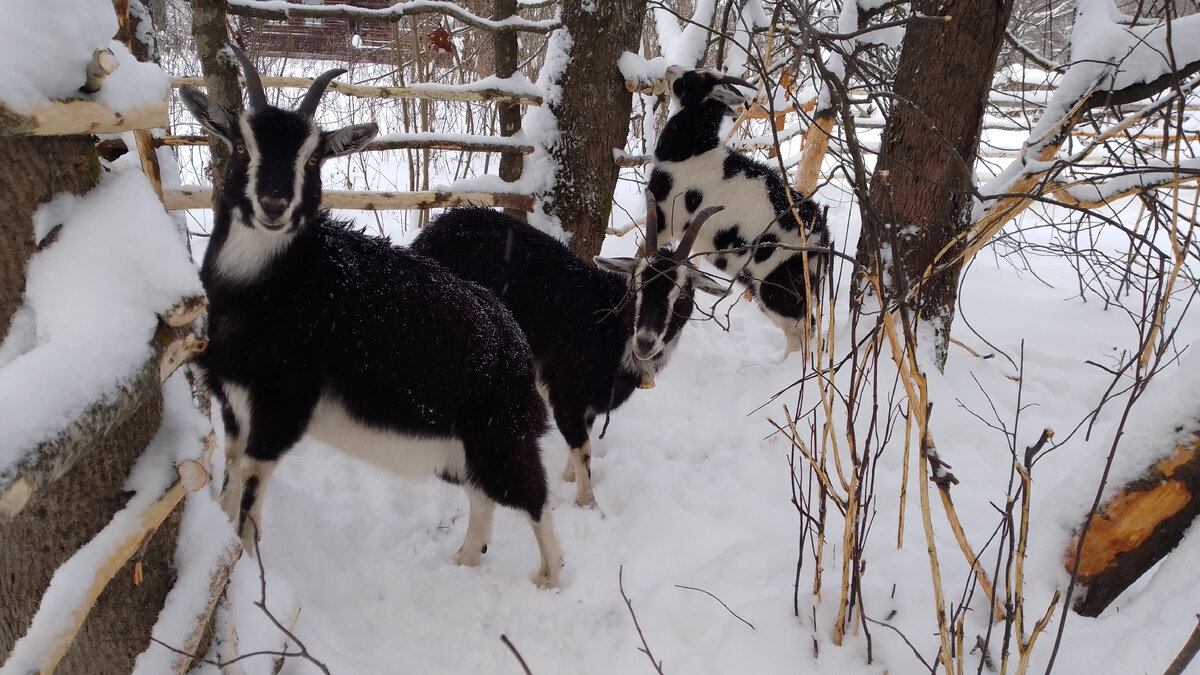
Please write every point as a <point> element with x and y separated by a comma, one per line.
<point>327,327</point>
<point>579,319</point>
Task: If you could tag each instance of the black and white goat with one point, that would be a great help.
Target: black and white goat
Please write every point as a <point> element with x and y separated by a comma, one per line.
<point>693,167</point>
<point>322,330</point>
<point>596,334</point>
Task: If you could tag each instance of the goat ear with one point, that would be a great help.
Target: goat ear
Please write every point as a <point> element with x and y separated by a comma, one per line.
<point>703,282</point>
<point>728,95</point>
<point>618,265</point>
<point>349,139</point>
<point>210,114</point>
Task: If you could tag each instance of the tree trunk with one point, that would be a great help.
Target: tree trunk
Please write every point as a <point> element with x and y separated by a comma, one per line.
<point>64,515</point>
<point>508,114</point>
<point>920,201</point>
<point>63,518</point>
<point>59,164</point>
<point>1139,525</point>
<point>220,75</point>
<point>593,116</point>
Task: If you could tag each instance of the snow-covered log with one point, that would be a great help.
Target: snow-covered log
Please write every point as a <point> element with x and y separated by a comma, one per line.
<point>1136,528</point>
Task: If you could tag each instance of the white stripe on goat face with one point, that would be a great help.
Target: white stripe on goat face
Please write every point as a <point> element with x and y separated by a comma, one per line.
<point>265,176</point>
<point>659,299</point>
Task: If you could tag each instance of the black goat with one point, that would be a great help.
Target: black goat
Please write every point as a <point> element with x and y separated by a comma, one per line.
<point>763,214</point>
<point>595,335</point>
<point>321,330</point>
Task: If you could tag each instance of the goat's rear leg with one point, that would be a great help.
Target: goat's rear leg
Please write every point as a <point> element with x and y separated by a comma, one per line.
<point>516,478</point>
<point>242,499</point>
<point>479,527</point>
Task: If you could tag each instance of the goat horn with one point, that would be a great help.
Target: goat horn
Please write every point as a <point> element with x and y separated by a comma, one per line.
<point>651,243</point>
<point>308,107</point>
<point>689,237</point>
<point>254,87</point>
<point>729,79</point>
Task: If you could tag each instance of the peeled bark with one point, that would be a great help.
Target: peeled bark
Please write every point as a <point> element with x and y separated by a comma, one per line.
<point>593,117</point>
<point>1136,528</point>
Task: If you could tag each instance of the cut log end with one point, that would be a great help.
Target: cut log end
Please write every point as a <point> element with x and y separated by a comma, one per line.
<point>1136,528</point>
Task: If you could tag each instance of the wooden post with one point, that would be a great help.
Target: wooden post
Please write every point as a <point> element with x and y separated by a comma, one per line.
<point>1136,528</point>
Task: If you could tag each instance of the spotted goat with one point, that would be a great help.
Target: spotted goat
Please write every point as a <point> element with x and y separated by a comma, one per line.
<point>764,216</point>
<point>596,333</point>
<point>318,329</point>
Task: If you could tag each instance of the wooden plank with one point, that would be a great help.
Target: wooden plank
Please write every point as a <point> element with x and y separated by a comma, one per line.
<point>196,197</point>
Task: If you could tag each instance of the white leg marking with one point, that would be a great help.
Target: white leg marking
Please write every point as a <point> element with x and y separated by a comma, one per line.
<point>260,472</point>
<point>581,464</point>
<point>550,548</point>
<point>479,528</point>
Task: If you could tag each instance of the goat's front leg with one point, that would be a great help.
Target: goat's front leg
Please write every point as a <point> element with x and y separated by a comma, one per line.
<point>479,527</point>
<point>581,464</point>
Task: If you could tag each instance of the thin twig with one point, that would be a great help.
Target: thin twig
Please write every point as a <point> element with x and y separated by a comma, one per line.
<point>512,648</point>
<point>692,588</point>
<point>645,648</point>
<point>1186,654</point>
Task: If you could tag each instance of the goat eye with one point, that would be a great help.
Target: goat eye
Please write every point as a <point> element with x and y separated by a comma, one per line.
<point>312,161</point>
<point>240,148</point>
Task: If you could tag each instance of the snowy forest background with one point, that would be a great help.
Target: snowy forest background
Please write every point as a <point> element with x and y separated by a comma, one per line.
<point>1004,354</point>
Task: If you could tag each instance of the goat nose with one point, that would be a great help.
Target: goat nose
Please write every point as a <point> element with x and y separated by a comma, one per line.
<point>273,206</point>
<point>645,346</point>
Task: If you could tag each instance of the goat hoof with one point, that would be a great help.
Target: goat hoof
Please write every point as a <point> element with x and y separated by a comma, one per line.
<point>586,501</point>
<point>546,579</point>
<point>469,557</point>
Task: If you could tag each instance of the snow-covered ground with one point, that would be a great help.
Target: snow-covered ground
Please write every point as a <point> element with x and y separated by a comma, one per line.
<point>695,513</point>
<point>696,527</point>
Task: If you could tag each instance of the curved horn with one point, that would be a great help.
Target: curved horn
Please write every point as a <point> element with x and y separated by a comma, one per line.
<point>729,79</point>
<point>308,107</point>
<point>651,244</point>
<point>254,87</point>
<point>689,237</point>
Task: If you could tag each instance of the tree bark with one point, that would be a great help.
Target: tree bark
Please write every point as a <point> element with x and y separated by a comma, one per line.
<point>64,517</point>
<point>220,74</point>
<point>920,190</point>
<point>508,114</point>
<point>593,116</point>
<point>1136,528</point>
<point>59,164</point>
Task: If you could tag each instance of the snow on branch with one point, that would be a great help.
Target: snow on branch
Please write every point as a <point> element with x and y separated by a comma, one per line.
<point>280,11</point>
<point>1094,192</point>
<point>1113,61</point>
